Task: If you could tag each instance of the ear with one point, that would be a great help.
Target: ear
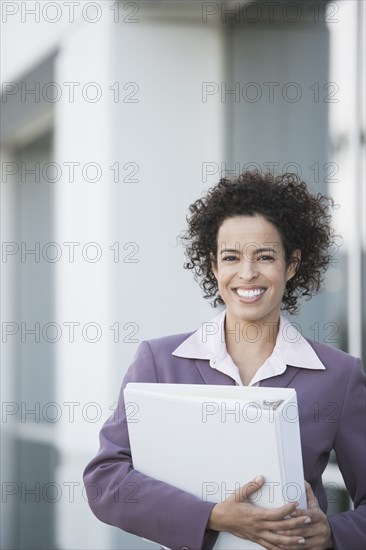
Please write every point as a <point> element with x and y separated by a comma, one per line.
<point>294,264</point>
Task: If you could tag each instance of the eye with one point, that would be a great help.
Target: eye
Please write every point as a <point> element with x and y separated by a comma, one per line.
<point>266,258</point>
<point>229,258</point>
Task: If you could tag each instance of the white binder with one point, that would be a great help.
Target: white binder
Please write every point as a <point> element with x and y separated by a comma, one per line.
<point>210,439</point>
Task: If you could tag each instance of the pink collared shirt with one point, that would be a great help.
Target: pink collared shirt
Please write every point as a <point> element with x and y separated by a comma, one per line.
<point>291,348</point>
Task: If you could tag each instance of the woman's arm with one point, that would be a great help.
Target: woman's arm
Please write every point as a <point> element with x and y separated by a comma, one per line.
<point>349,528</point>
<point>126,498</point>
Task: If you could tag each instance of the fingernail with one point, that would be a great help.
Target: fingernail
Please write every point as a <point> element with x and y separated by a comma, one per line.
<point>259,479</point>
<point>301,541</point>
<point>307,520</point>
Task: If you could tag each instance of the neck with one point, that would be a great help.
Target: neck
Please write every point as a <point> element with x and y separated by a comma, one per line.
<point>245,338</point>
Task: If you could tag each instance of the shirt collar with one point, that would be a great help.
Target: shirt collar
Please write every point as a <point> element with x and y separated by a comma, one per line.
<point>208,342</point>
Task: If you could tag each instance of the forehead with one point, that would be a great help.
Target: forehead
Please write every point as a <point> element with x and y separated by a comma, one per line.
<point>248,229</point>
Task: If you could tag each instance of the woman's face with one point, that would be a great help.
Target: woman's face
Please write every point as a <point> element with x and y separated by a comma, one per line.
<point>251,270</point>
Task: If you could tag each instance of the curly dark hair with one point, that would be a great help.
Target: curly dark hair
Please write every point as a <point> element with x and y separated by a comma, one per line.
<point>301,218</point>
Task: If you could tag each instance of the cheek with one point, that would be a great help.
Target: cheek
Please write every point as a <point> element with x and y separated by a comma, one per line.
<point>278,277</point>
<point>224,276</point>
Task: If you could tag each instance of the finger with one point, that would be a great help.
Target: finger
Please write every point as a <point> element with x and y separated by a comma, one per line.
<point>297,546</point>
<point>310,497</point>
<point>298,532</point>
<point>289,524</point>
<point>310,543</point>
<point>248,489</point>
<point>285,541</point>
<point>314,514</point>
<point>265,544</point>
<point>277,514</point>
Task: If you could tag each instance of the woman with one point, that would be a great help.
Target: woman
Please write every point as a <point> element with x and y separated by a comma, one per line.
<point>257,243</point>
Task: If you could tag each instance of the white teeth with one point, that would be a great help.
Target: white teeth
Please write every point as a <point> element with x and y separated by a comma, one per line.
<point>249,293</point>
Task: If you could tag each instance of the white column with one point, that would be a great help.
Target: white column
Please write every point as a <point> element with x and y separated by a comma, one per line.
<point>83,296</point>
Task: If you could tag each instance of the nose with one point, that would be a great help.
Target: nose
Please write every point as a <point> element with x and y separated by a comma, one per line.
<point>247,269</point>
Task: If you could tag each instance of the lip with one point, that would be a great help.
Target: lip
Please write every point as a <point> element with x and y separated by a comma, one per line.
<point>249,300</point>
<point>243,287</point>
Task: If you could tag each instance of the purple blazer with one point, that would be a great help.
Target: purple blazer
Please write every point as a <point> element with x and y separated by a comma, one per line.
<point>332,411</point>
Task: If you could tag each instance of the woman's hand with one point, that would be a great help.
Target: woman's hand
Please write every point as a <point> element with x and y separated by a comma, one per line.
<point>317,534</point>
<point>243,519</point>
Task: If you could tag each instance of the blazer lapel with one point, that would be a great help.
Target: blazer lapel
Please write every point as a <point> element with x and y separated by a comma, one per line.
<point>282,380</point>
<point>211,375</point>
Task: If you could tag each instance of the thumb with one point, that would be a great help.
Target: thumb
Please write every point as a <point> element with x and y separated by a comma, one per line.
<point>244,492</point>
<point>310,497</point>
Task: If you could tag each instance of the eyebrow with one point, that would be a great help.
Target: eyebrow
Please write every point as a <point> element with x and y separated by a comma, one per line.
<point>258,250</point>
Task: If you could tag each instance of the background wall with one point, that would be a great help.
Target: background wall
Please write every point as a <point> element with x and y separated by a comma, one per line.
<point>115,117</point>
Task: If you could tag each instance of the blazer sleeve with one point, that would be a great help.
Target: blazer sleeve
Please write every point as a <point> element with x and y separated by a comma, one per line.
<point>126,498</point>
<point>349,528</point>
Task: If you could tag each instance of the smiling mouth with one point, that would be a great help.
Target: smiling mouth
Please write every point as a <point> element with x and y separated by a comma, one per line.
<point>249,294</point>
